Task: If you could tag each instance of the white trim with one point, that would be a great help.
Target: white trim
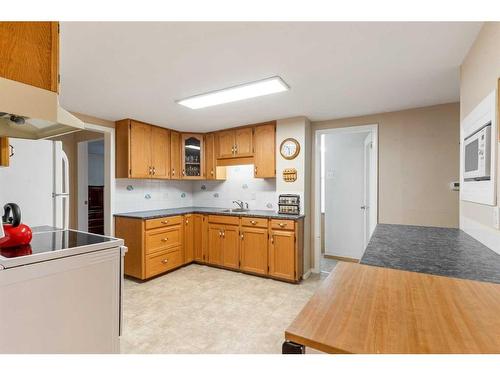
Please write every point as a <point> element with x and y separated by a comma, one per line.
<point>373,128</point>
<point>307,275</point>
<point>109,174</point>
<point>488,236</point>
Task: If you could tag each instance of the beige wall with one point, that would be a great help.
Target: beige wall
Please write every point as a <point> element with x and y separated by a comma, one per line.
<point>418,158</point>
<point>479,76</point>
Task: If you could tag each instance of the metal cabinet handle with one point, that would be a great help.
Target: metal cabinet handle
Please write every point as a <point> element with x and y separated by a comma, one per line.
<point>164,261</point>
<point>272,238</point>
<point>165,239</point>
<point>223,234</point>
<point>187,221</point>
<point>220,234</point>
<point>212,172</point>
<point>150,170</point>
<point>154,170</point>
<point>241,236</point>
<point>173,172</point>
<point>253,222</point>
<point>235,149</point>
<point>164,222</point>
<point>183,172</point>
<point>282,225</point>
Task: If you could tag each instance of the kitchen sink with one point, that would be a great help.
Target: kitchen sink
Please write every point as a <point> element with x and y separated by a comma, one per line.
<point>236,210</point>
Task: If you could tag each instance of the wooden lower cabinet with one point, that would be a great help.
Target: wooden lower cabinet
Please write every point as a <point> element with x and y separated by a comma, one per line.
<point>231,246</point>
<point>253,250</point>
<point>282,254</point>
<point>252,245</point>
<point>215,244</point>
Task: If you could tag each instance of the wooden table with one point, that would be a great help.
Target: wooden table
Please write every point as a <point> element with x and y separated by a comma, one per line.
<point>366,309</point>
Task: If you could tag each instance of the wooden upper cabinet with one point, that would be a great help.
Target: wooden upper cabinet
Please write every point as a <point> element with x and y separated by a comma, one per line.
<point>265,151</point>
<point>193,167</point>
<point>225,144</point>
<point>243,142</point>
<point>140,150</point>
<point>282,254</point>
<point>210,163</point>
<point>29,53</point>
<point>175,155</point>
<point>160,152</point>
<point>253,250</point>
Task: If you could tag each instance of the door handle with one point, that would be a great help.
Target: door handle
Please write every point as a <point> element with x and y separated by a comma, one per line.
<point>364,207</point>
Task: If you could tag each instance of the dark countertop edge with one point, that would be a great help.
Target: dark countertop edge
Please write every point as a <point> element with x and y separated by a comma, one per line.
<point>182,211</point>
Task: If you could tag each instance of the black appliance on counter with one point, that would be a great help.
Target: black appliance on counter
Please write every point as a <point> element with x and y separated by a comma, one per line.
<point>289,204</point>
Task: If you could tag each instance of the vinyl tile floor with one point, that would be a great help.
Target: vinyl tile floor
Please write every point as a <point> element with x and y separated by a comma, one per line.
<point>200,309</point>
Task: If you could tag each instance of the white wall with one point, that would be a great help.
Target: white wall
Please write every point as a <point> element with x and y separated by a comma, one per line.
<point>240,184</point>
<point>344,194</point>
<point>28,181</point>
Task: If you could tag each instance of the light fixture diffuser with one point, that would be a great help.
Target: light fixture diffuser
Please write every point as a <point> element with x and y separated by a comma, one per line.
<point>232,94</point>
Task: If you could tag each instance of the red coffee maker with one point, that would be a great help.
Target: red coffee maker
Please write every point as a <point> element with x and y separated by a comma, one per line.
<point>14,233</point>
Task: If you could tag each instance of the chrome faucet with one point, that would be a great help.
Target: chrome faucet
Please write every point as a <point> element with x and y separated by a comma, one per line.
<point>239,204</point>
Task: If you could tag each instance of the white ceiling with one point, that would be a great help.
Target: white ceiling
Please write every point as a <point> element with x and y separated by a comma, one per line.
<point>138,70</point>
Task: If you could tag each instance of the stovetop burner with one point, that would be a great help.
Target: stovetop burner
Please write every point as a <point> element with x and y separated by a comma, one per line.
<point>43,242</point>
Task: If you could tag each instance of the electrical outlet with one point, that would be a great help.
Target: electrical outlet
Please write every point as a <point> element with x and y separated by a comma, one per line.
<point>496,217</point>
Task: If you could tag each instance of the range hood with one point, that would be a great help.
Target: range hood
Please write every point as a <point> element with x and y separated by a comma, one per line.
<point>33,113</point>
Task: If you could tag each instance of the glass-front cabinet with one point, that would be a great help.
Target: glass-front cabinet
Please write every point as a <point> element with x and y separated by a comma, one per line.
<point>192,156</point>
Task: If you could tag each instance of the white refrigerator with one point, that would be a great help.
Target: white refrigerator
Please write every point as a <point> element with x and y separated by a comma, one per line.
<point>37,180</point>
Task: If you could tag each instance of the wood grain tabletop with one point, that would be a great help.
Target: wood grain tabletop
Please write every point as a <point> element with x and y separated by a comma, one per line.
<point>366,309</point>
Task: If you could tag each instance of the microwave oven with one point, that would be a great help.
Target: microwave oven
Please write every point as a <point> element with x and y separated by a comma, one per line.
<point>477,154</point>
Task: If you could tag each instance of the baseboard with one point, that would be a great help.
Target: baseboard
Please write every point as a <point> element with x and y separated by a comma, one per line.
<point>306,275</point>
<point>342,259</point>
<point>488,236</point>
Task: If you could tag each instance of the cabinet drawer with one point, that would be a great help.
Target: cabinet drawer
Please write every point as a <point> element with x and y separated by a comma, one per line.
<point>231,220</point>
<point>282,224</point>
<point>254,222</point>
<point>161,239</point>
<point>164,261</point>
<point>163,222</point>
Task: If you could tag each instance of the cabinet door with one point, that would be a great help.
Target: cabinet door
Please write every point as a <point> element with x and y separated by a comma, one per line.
<point>225,144</point>
<point>253,250</point>
<point>197,225</point>
<point>265,151</point>
<point>160,156</point>
<point>140,150</point>
<point>215,244</point>
<point>192,156</point>
<point>29,53</point>
<point>175,155</point>
<point>188,239</point>
<point>231,246</point>
<point>209,157</point>
<point>243,142</point>
<point>282,254</point>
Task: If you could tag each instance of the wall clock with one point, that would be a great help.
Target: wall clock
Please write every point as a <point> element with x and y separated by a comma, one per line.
<point>290,148</point>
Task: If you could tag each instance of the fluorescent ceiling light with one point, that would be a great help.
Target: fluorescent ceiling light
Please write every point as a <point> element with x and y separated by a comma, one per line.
<point>232,94</point>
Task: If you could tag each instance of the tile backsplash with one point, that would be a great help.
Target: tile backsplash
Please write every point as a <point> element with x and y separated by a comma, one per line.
<point>240,184</point>
<point>141,195</point>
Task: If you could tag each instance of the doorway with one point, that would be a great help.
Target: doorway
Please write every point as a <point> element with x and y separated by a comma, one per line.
<point>91,186</point>
<point>345,195</point>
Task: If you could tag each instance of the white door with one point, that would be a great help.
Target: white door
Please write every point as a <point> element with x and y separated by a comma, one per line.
<point>345,194</point>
